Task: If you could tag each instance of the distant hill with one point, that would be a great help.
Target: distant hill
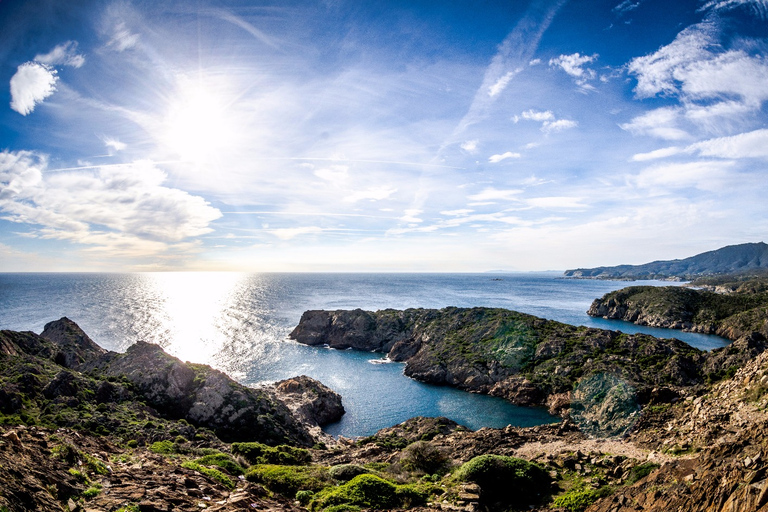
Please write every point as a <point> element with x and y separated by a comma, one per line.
<point>733,259</point>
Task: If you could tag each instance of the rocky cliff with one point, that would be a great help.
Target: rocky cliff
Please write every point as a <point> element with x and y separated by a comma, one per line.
<point>62,378</point>
<point>600,377</point>
<point>740,312</point>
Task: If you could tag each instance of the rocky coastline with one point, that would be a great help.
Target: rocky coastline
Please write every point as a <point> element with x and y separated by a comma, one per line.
<point>648,424</point>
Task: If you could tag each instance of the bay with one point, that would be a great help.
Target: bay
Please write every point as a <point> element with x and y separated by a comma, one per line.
<point>239,323</point>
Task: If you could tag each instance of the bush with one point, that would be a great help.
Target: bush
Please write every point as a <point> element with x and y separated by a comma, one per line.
<point>368,491</point>
<point>515,482</point>
<point>424,457</point>
<point>162,447</point>
<point>576,500</point>
<point>288,480</point>
<point>284,455</point>
<point>304,497</point>
<point>641,471</point>
<point>213,474</point>
<point>223,461</point>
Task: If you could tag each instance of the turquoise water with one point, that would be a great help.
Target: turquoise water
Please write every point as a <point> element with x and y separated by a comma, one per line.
<point>239,323</point>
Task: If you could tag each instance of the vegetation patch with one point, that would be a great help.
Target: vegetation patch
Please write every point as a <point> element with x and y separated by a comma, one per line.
<point>258,453</point>
<point>288,480</point>
<point>508,480</point>
<point>368,491</point>
<point>211,473</point>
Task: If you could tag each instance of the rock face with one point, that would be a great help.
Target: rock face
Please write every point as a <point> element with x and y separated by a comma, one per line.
<point>203,396</point>
<point>524,359</point>
<point>65,367</point>
<point>727,260</point>
<point>728,315</point>
<point>309,400</point>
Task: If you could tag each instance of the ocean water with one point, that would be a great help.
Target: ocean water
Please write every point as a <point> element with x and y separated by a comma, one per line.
<point>239,323</point>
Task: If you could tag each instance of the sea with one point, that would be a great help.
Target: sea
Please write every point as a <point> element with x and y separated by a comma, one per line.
<point>239,323</point>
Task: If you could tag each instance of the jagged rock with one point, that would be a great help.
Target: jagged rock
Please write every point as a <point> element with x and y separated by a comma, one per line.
<point>310,400</point>
<point>75,348</point>
<point>204,396</point>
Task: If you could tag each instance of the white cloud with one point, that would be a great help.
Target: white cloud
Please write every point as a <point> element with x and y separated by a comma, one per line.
<point>125,209</point>
<point>758,7</point>
<point>752,144</point>
<point>661,123</point>
<point>64,54</point>
<point>32,83</point>
<point>333,173</point>
<point>122,38</point>
<point>744,145</point>
<point>501,83</point>
<point>627,6</point>
<point>470,146</point>
<point>556,202</point>
<point>410,216</point>
<point>114,144</point>
<point>658,73</point>
<point>573,65</point>
<point>711,176</point>
<point>493,194</point>
<point>290,233</point>
<point>542,117</point>
<point>456,213</point>
<point>656,154</point>
<point>559,125</point>
<point>547,119</point>
<point>498,158</point>
<point>716,87</point>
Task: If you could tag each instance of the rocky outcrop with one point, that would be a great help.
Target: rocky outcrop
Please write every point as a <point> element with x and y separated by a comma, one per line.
<point>524,359</point>
<point>65,371</point>
<point>309,400</point>
<point>728,315</point>
<point>203,396</point>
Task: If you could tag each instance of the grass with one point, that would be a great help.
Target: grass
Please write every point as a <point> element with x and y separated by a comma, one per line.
<point>211,473</point>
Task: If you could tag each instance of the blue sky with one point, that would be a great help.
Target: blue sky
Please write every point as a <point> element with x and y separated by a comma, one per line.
<point>379,136</point>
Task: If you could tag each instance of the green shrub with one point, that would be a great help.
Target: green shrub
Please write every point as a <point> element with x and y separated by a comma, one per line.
<point>304,497</point>
<point>92,491</point>
<point>424,457</point>
<point>223,461</point>
<point>576,500</point>
<point>214,474</point>
<point>508,480</point>
<point>258,453</point>
<point>95,465</point>
<point>162,447</point>
<point>367,491</point>
<point>641,471</point>
<point>79,475</point>
<point>288,480</point>
<point>132,443</point>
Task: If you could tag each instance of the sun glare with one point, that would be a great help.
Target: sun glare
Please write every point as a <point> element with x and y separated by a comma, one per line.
<point>199,125</point>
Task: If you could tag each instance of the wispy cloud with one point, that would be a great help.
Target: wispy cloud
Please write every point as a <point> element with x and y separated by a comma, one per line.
<point>662,123</point>
<point>549,123</point>
<point>377,193</point>
<point>121,38</point>
<point>752,144</point>
<point>64,54</point>
<point>514,53</point>
<point>290,233</point>
<point>758,7</point>
<point>470,146</point>
<point>494,159</point>
<point>493,194</point>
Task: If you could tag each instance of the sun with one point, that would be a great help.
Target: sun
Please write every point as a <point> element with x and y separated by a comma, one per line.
<point>199,124</point>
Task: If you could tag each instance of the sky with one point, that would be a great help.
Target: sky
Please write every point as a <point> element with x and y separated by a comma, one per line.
<point>339,135</point>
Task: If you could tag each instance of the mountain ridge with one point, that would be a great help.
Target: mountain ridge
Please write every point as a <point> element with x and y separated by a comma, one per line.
<point>731,259</point>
